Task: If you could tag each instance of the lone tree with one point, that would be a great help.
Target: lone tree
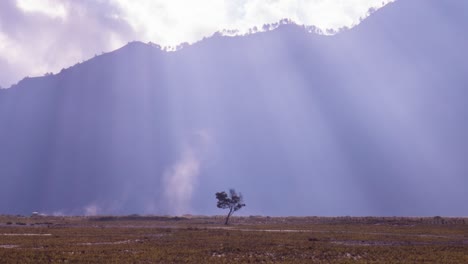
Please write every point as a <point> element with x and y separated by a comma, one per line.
<point>233,202</point>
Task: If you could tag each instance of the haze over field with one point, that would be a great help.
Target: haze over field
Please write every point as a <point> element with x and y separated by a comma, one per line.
<point>370,121</point>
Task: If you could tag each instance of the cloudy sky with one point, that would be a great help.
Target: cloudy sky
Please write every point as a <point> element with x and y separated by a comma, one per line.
<point>39,36</point>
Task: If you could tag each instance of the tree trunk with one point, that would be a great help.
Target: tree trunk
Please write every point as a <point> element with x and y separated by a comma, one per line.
<point>227,217</point>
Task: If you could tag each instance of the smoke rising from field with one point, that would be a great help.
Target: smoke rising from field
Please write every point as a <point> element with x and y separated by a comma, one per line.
<point>181,178</point>
<point>91,210</point>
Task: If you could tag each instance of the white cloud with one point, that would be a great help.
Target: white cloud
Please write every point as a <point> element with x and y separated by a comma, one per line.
<point>49,8</point>
<point>35,39</point>
<point>176,21</point>
<point>44,36</point>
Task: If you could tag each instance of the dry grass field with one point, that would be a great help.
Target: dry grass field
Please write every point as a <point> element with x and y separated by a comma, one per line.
<point>155,239</point>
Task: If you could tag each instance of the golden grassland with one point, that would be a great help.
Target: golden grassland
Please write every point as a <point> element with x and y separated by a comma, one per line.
<point>254,239</point>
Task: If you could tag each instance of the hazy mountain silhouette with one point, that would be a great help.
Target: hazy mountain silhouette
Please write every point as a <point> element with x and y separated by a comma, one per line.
<point>370,121</point>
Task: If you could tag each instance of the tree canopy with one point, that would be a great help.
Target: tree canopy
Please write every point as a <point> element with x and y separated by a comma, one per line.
<point>231,201</point>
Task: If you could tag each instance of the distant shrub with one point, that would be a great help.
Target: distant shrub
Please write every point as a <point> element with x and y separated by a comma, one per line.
<point>439,220</point>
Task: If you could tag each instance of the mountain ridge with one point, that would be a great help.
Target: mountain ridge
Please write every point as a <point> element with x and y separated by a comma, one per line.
<point>224,33</point>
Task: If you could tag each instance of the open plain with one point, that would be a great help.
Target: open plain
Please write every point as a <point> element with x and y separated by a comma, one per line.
<point>254,239</point>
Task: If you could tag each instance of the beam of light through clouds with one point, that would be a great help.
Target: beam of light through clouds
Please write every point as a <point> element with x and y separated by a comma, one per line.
<point>44,36</point>
<point>370,121</point>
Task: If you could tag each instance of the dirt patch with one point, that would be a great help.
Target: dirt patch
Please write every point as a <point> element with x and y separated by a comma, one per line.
<point>367,243</point>
<point>8,246</point>
<point>24,234</point>
<point>395,243</point>
<point>109,243</point>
